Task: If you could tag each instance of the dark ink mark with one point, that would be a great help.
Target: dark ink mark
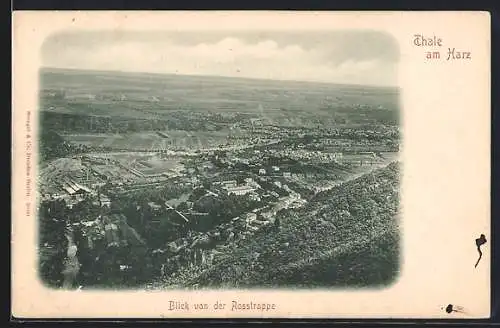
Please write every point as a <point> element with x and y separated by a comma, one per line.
<point>479,242</point>
<point>450,308</point>
<point>73,19</point>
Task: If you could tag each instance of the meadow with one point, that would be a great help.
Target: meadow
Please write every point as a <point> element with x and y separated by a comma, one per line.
<point>150,141</point>
<point>146,95</point>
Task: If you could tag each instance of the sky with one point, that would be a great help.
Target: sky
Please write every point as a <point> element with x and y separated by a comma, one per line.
<point>347,57</point>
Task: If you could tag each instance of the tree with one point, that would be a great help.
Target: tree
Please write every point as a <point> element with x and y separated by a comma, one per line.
<point>182,207</point>
<point>52,241</point>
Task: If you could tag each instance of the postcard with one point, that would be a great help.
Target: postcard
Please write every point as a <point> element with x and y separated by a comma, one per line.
<point>264,164</point>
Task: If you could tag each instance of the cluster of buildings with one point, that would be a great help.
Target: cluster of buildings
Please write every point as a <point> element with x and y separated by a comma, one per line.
<point>129,175</point>
<point>68,189</point>
<point>111,230</point>
<point>302,154</point>
<point>73,192</point>
<point>362,159</point>
<point>231,187</point>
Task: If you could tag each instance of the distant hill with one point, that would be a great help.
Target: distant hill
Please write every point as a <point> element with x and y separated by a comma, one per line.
<point>209,79</point>
<point>140,94</point>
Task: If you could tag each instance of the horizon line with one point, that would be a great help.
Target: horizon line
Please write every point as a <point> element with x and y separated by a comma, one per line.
<point>222,76</point>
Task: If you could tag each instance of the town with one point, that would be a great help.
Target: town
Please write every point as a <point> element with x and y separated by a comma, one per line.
<point>160,198</point>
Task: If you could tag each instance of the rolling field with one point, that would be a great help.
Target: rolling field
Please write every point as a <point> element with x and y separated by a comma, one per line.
<point>152,140</point>
<point>154,165</point>
<point>146,163</point>
<point>143,159</point>
<point>123,94</point>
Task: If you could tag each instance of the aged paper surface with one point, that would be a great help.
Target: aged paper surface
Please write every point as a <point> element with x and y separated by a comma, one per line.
<point>345,231</point>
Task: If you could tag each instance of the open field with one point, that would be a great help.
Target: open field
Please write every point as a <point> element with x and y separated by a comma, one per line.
<point>144,159</point>
<point>98,168</point>
<point>151,140</point>
<point>154,165</point>
<point>143,95</point>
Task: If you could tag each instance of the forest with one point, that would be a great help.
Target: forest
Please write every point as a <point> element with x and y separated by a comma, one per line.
<point>347,236</point>
<point>157,227</point>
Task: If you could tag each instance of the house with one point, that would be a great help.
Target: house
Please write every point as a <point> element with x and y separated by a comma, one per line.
<point>266,215</point>
<point>262,171</point>
<point>241,190</point>
<point>174,202</point>
<point>229,184</point>
<point>287,175</point>
<point>155,207</point>
<point>74,189</point>
<point>266,196</point>
<point>250,217</point>
<point>104,200</point>
<point>207,166</point>
<point>254,196</point>
<point>244,161</point>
